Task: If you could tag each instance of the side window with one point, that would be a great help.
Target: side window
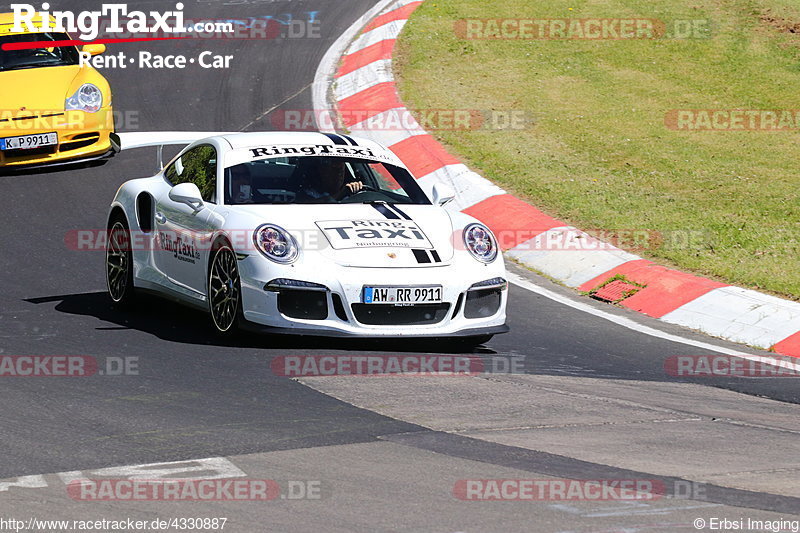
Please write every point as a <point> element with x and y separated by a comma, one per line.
<point>199,166</point>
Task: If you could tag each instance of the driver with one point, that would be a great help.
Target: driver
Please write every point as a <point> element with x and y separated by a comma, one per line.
<point>325,181</point>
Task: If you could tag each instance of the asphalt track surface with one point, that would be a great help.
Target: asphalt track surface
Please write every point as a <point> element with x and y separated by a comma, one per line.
<point>197,396</point>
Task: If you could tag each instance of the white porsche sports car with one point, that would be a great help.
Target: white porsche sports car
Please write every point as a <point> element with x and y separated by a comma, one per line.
<point>305,233</point>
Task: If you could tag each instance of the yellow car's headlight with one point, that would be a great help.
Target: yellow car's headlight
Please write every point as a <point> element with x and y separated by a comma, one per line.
<point>87,98</point>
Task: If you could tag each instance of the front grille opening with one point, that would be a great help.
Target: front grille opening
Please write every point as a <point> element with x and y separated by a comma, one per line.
<point>92,135</point>
<point>457,308</point>
<point>391,315</point>
<point>31,117</point>
<point>338,307</point>
<point>80,141</point>
<point>482,304</point>
<point>31,152</point>
<point>305,305</point>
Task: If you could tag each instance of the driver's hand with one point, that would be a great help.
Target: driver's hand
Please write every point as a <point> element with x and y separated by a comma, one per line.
<point>354,187</point>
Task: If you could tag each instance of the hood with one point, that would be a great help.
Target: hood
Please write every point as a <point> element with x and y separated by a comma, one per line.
<point>358,235</point>
<point>39,90</point>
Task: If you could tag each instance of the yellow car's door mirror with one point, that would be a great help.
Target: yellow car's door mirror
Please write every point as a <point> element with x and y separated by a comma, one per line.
<point>94,49</point>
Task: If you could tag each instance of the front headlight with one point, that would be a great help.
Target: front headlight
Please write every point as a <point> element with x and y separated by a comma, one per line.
<point>87,98</point>
<point>480,242</point>
<point>276,243</point>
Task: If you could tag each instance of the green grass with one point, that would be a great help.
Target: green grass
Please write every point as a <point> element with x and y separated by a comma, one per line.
<point>599,154</point>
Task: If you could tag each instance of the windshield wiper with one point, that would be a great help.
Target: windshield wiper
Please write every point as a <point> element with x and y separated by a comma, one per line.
<point>56,63</point>
<point>24,66</point>
<point>377,202</point>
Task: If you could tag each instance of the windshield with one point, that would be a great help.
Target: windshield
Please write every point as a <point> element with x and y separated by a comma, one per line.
<point>37,57</point>
<point>320,180</point>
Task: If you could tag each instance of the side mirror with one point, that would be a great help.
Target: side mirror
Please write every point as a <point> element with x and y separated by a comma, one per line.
<point>442,194</point>
<point>94,49</point>
<point>187,193</point>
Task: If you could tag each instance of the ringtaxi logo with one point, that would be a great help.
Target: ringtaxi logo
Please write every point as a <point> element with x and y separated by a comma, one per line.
<point>87,23</point>
<point>114,22</point>
<point>72,366</point>
<point>352,234</point>
<point>266,28</point>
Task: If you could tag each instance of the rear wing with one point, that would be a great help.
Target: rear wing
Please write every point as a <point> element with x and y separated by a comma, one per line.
<point>159,139</point>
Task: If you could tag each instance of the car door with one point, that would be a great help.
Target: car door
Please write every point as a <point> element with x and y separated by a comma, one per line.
<point>184,231</point>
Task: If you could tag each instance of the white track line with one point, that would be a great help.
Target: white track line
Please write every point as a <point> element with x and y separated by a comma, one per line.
<point>646,330</point>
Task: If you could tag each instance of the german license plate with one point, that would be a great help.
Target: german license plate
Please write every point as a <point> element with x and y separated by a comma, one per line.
<point>403,295</point>
<point>26,142</point>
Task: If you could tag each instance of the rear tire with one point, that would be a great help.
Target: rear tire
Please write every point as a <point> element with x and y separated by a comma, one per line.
<point>224,290</point>
<point>119,262</point>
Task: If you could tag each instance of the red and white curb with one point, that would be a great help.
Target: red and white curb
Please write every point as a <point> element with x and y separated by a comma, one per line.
<point>355,78</point>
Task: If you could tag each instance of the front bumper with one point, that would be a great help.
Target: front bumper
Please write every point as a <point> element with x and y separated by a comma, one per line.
<point>336,309</point>
<point>81,137</point>
<point>475,332</point>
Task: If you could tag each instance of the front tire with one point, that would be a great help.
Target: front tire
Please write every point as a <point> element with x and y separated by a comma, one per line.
<point>224,290</point>
<point>119,262</point>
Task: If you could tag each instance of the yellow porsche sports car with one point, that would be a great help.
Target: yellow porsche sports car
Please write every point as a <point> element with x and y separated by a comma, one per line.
<point>52,109</point>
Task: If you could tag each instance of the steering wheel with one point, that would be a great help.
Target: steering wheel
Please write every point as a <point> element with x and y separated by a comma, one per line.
<point>367,194</point>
